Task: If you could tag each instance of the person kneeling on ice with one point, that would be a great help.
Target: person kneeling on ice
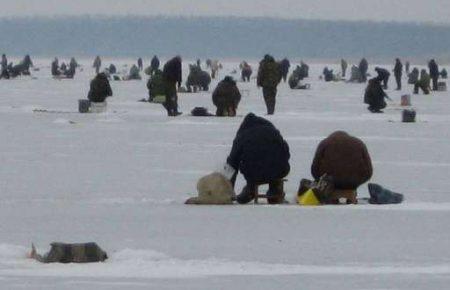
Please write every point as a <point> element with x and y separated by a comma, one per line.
<point>261,154</point>
<point>346,160</point>
<point>100,89</point>
<point>71,253</point>
<point>374,96</point>
<point>423,83</point>
<point>226,97</point>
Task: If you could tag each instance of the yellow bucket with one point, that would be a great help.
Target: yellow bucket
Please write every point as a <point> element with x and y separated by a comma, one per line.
<point>308,199</point>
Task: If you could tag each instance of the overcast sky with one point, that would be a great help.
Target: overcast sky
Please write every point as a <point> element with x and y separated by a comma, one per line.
<point>399,10</point>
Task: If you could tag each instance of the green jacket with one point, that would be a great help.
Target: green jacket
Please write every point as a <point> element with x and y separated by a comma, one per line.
<point>269,73</point>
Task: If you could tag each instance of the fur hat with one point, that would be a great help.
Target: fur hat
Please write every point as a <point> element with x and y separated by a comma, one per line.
<point>214,188</point>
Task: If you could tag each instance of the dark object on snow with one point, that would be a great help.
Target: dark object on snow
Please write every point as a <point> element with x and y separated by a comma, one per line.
<point>343,157</point>
<point>381,195</point>
<point>201,112</point>
<point>100,89</point>
<point>71,253</point>
<point>84,105</point>
<point>261,154</point>
<point>408,116</point>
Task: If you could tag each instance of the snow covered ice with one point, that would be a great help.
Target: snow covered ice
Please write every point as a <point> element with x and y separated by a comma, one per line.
<point>120,179</point>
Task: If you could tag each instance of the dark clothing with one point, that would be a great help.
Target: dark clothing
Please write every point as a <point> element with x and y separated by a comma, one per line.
<point>246,72</point>
<point>97,64</point>
<point>70,73</point>
<point>154,65</point>
<point>112,69</point>
<point>434,73</point>
<point>363,68</point>
<point>226,97</point>
<point>171,77</point>
<point>413,77</point>
<point>197,79</point>
<point>100,89</point>
<point>284,66</point>
<point>345,158</point>
<point>140,64</point>
<point>269,95</point>
<point>259,151</point>
<point>398,72</point>
<point>374,95</point>
<point>328,74</point>
<point>55,68</point>
<point>269,76</point>
<point>383,75</point>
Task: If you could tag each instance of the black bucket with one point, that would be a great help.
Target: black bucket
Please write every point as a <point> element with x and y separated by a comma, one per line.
<point>409,116</point>
<point>84,105</point>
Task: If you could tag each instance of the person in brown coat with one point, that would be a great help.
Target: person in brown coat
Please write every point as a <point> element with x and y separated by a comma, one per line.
<point>346,159</point>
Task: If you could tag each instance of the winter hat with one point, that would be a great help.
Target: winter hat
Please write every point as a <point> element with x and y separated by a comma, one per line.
<point>214,188</point>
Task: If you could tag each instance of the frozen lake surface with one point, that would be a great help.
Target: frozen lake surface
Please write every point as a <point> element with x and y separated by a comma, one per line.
<point>120,179</point>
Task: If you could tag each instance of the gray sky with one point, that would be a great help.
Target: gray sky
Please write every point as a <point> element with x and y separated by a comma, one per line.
<point>399,10</point>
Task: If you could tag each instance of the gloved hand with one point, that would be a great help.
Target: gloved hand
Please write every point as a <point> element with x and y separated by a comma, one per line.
<point>228,171</point>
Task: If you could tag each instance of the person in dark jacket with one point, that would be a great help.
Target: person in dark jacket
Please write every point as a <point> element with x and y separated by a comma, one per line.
<point>154,64</point>
<point>246,71</point>
<point>398,72</point>
<point>226,97</point>
<point>4,64</point>
<point>413,77</point>
<point>434,73</point>
<point>172,78</point>
<point>269,76</point>
<point>444,73</point>
<point>407,65</point>
<point>328,74</point>
<point>261,154</point>
<point>55,68</point>
<point>345,158</point>
<point>383,75</point>
<point>284,66</point>
<point>374,96</point>
<point>97,64</point>
<point>100,89</point>
<point>304,70</point>
<point>140,64</point>
<point>112,69</point>
<point>363,68</point>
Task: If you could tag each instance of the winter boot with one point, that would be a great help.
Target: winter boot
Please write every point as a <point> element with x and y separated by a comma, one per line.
<point>380,195</point>
<point>275,194</point>
<point>247,194</point>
